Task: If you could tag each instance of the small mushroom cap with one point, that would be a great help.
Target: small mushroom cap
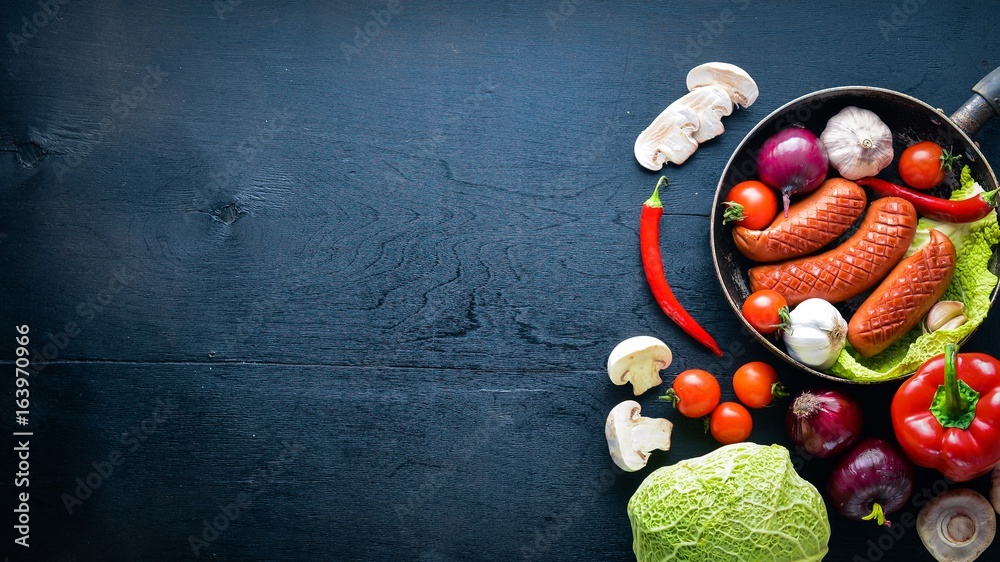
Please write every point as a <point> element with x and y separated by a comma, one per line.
<point>740,86</point>
<point>639,360</point>
<point>957,526</point>
<point>632,437</point>
<point>669,138</point>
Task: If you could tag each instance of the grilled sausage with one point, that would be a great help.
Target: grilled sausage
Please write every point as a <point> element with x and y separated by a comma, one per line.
<point>852,267</point>
<point>812,223</point>
<point>898,304</point>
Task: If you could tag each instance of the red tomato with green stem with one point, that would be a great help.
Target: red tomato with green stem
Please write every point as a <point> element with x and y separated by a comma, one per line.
<point>695,393</point>
<point>765,311</point>
<point>924,164</point>
<point>756,384</point>
<point>750,204</point>
<point>730,423</point>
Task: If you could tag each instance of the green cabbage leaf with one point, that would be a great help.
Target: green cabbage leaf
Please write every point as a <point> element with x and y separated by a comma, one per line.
<point>742,502</point>
<point>972,284</point>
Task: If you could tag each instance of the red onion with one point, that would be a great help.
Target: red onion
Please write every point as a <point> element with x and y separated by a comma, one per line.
<point>792,161</point>
<point>823,423</point>
<point>871,481</point>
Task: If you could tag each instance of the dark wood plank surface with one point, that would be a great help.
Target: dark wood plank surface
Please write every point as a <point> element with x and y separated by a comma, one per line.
<point>354,268</point>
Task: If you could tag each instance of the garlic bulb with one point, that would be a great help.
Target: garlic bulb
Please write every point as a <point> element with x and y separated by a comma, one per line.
<point>816,334</point>
<point>945,315</point>
<point>858,143</point>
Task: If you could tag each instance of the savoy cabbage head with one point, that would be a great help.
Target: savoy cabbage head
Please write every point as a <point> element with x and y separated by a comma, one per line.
<point>742,502</point>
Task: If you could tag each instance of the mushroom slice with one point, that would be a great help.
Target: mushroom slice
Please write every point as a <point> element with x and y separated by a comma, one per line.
<point>711,103</point>
<point>668,138</point>
<point>632,437</point>
<point>957,526</point>
<point>639,360</point>
<point>738,84</point>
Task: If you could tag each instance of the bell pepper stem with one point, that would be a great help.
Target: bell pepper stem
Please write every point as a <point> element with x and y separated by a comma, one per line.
<point>954,404</point>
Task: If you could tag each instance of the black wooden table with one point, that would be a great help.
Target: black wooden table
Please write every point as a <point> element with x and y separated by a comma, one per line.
<point>338,280</point>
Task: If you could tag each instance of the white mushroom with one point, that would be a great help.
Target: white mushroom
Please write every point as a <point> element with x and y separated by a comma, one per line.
<point>957,526</point>
<point>639,360</point>
<point>711,103</point>
<point>669,138</point>
<point>740,86</point>
<point>632,437</point>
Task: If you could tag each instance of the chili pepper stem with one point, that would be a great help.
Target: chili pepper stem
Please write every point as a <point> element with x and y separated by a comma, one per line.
<point>990,197</point>
<point>654,199</point>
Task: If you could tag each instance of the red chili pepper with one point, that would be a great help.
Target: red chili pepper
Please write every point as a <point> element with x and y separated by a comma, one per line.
<point>965,210</point>
<point>652,262</point>
<point>947,415</point>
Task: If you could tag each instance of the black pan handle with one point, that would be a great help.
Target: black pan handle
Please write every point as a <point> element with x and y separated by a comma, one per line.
<point>985,103</point>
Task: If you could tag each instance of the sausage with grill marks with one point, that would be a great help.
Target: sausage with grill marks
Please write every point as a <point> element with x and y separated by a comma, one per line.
<point>852,267</point>
<point>812,222</point>
<point>898,304</point>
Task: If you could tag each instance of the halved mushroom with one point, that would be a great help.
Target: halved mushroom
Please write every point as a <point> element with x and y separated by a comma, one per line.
<point>738,84</point>
<point>711,103</point>
<point>639,360</point>
<point>632,437</point>
<point>957,526</point>
<point>669,138</point>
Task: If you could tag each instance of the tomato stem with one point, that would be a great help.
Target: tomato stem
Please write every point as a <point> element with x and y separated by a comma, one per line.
<point>734,212</point>
<point>786,319</point>
<point>778,390</point>
<point>671,396</point>
<point>948,159</point>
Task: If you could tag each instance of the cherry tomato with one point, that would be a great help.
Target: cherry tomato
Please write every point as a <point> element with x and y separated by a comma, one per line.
<point>695,393</point>
<point>756,384</point>
<point>923,165</point>
<point>751,204</point>
<point>730,423</point>
<point>762,310</point>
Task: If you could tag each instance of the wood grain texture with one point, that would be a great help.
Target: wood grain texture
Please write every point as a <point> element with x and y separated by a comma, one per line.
<point>399,237</point>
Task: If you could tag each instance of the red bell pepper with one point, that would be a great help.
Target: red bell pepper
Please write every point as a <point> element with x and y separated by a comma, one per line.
<point>947,415</point>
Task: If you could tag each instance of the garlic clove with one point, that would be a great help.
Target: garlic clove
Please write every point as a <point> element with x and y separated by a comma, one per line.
<point>954,323</point>
<point>945,315</point>
<point>857,142</point>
